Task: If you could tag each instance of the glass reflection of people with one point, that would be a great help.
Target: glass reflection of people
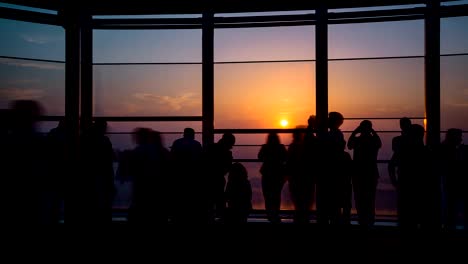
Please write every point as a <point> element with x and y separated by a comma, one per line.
<point>365,143</point>
<point>273,156</point>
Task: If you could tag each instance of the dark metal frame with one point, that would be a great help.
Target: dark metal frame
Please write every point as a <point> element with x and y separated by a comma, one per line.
<point>79,23</point>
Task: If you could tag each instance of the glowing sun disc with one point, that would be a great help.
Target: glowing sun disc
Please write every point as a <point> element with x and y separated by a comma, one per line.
<point>284,123</point>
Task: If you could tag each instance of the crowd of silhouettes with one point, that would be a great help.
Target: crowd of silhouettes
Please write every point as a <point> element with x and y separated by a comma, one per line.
<point>191,183</point>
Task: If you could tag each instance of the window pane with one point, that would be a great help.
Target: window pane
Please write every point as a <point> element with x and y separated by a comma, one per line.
<point>382,39</point>
<point>147,90</point>
<point>253,170</point>
<point>377,88</point>
<point>386,197</point>
<point>125,46</point>
<point>124,141</point>
<point>31,40</point>
<point>453,35</point>
<point>261,95</point>
<point>33,80</point>
<point>454,92</point>
<point>378,124</point>
<point>258,44</point>
<point>120,133</point>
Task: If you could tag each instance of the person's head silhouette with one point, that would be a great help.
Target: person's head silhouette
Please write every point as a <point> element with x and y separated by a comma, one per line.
<point>189,133</point>
<point>365,127</point>
<point>100,126</point>
<point>454,136</point>
<point>24,114</point>
<point>405,124</point>
<point>312,121</point>
<point>228,139</point>
<point>335,120</point>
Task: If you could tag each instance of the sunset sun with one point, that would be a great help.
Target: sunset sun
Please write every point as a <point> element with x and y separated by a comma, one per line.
<point>284,122</point>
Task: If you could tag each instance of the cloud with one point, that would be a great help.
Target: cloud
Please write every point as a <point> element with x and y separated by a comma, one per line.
<point>20,94</point>
<point>175,103</point>
<point>24,81</point>
<point>32,64</point>
<point>458,104</point>
<point>36,39</point>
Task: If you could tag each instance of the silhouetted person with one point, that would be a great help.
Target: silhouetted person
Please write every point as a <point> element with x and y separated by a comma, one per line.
<point>365,143</point>
<point>23,167</point>
<point>397,143</point>
<point>97,157</point>
<point>218,161</point>
<point>238,195</point>
<point>149,169</point>
<point>312,166</point>
<point>187,185</point>
<point>334,182</point>
<point>273,155</point>
<point>57,160</point>
<point>5,129</point>
<point>418,186</point>
<point>4,123</point>
<point>299,179</point>
<point>454,167</point>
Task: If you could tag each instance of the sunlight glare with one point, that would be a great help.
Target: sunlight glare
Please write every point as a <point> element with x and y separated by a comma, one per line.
<point>284,123</point>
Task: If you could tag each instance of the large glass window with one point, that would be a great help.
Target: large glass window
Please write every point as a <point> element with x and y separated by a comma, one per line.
<point>264,95</point>
<point>377,88</point>
<point>383,39</point>
<point>32,65</point>
<point>453,77</point>
<point>147,90</point>
<point>454,92</point>
<point>265,44</point>
<point>147,46</point>
<point>453,35</point>
<point>32,40</point>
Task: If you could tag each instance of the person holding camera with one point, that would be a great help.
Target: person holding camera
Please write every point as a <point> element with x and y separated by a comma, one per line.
<point>365,144</point>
